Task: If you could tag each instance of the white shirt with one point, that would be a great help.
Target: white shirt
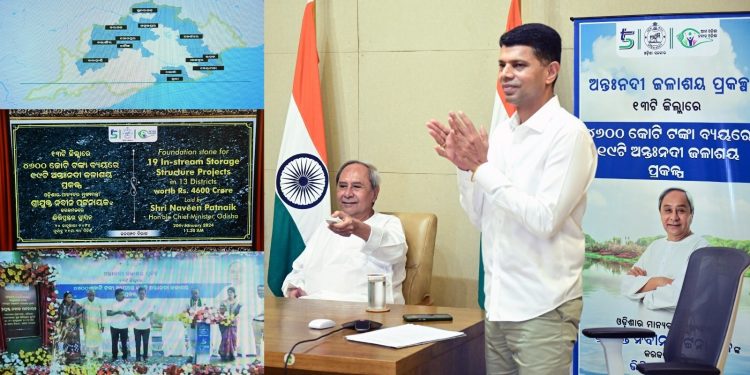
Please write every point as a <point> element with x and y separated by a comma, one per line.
<point>528,200</point>
<point>662,258</point>
<point>335,267</point>
<point>141,308</point>
<point>119,321</point>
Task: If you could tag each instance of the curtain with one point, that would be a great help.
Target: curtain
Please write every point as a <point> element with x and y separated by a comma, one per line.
<point>7,237</point>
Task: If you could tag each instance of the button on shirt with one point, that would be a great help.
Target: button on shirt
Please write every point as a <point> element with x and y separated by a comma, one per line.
<point>528,200</point>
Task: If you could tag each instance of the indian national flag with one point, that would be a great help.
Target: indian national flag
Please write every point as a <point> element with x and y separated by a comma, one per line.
<point>501,111</point>
<point>302,201</point>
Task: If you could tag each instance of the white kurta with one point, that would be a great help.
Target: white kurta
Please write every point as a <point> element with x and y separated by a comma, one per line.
<point>335,267</point>
<point>666,259</point>
<point>93,323</point>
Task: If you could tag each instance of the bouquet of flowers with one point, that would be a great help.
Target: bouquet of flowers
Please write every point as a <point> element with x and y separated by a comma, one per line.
<point>37,370</point>
<point>185,318</point>
<point>38,357</point>
<point>140,368</point>
<point>206,370</point>
<point>202,314</point>
<point>9,363</point>
<point>26,274</point>
<point>247,369</point>
<point>228,320</point>
<point>173,370</point>
<point>205,315</point>
<point>13,274</point>
<point>108,369</point>
<point>10,359</point>
<point>73,370</point>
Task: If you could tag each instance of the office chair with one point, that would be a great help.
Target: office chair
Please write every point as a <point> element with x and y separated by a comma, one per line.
<point>698,339</point>
<point>420,230</point>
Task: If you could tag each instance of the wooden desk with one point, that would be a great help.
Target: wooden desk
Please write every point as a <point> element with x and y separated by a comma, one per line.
<point>286,323</point>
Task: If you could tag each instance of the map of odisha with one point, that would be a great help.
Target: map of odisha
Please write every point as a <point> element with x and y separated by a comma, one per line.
<point>143,55</point>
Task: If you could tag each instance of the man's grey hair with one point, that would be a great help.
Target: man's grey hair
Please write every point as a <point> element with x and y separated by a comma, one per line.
<point>689,197</point>
<point>372,172</point>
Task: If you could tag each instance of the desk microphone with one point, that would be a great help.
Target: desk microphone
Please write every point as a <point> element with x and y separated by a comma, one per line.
<point>362,325</point>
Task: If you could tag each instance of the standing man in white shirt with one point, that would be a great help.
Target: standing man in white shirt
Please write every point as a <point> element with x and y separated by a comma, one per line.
<point>524,186</point>
<point>142,310</point>
<point>119,314</point>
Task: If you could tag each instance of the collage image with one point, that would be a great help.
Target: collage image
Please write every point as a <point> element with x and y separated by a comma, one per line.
<point>310,187</point>
<point>131,156</point>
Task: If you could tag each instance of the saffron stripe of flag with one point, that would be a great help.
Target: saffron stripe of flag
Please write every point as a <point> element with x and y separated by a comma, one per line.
<point>302,199</point>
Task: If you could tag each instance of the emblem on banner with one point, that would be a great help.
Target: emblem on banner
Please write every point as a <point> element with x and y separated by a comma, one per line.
<point>655,36</point>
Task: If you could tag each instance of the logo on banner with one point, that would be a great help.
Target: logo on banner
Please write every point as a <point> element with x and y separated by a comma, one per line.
<point>690,37</point>
<point>655,36</point>
<point>626,37</point>
<point>119,134</point>
<point>669,38</point>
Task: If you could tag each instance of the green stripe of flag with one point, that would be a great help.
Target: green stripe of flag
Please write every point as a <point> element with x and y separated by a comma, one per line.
<point>286,246</point>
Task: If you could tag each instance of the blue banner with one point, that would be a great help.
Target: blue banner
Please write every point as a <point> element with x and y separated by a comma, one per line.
<point>665,98</point>
<point>672,150</point>
<point>153,290</point>
<point>170,279</point>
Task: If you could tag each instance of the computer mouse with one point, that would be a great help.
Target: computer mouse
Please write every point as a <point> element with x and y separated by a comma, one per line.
<point>321,323</point>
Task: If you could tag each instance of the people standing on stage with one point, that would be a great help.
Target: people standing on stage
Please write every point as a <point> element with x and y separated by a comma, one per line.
<point>119,314</point>
<point>230,310</point>
<point>71,314</point>
<point>93,324</point>
<point>142,310</point>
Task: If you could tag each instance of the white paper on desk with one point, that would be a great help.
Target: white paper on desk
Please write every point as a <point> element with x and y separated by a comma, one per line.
<point>404,335</point>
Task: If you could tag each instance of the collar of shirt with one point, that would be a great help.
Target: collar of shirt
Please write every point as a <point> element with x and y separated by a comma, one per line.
<point>539,121</point>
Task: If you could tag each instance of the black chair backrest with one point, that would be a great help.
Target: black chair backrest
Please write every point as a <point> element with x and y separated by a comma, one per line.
<point>704,311</point>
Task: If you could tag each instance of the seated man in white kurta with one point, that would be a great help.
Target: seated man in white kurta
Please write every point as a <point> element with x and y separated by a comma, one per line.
<point>338,257</point>
<point>656,279</point>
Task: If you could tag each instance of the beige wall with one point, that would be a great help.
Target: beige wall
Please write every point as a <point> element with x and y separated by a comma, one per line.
<point>387,66</point>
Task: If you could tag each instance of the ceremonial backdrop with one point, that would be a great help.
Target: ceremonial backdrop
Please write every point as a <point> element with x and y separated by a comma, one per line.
<point>168,281</point>
<point>666,101</point>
